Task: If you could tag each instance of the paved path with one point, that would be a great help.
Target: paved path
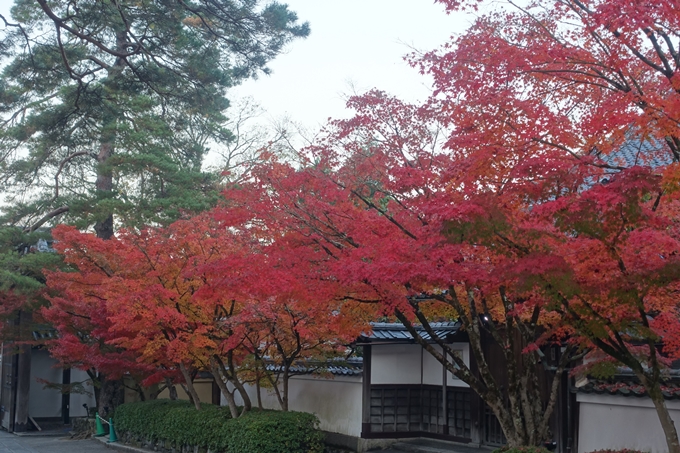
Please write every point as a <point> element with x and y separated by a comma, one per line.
<point>10,443</point>
<point>433,446</point>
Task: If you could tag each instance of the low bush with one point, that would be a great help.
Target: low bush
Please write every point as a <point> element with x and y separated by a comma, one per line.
<point>521,450</point>
<point>179,424</point>
<point>622,450</point>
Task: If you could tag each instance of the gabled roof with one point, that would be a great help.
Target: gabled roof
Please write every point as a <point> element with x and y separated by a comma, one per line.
<point>383,332</point>
<point>635,150</point>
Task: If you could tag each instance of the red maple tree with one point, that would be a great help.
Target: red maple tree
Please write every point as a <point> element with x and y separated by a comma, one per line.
<point>543,86</point>
<point>530,108</point>
<point>194,296</point>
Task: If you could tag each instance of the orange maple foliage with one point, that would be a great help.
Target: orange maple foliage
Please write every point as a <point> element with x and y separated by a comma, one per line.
<point>201,294</point>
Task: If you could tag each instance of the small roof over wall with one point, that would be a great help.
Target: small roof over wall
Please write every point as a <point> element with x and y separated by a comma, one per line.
<point>352,366</point>
<point>625,386</point>
<point>384,333</point>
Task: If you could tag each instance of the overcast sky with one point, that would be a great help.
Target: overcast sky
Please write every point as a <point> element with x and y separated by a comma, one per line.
<point>354,45</point>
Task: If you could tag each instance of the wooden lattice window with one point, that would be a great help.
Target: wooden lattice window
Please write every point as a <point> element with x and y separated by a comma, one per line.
<point>420,409</point>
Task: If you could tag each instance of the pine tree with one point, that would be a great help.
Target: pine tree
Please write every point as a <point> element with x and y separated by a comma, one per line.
<point>109,106</point>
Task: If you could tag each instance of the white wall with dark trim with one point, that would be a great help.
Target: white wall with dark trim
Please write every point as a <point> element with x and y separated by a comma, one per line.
<point>337,401</point>
<point>616,422</point>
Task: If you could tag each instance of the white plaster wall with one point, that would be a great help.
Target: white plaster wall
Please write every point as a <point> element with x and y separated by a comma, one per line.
<point>47,402</point>
<point>401,364</point>
<point>78,399</point>
<point>616,422</point>
<point>337,402</point>
<point>432,369</point>
<point>397,364</point>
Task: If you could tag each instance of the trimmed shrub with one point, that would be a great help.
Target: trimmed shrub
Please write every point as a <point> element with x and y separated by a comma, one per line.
<point>528,449</point>
<point>179,424</point>
<point>622,450</point>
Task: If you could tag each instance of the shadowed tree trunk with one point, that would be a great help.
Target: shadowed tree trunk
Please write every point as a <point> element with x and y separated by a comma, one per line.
<point>172,390</point>
<point>189,383</point>
<point>220,380</point>
<point>111,395</point>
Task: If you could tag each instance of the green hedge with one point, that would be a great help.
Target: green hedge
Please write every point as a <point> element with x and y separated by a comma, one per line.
<point>178,423</point>
<point>528,449</point>
<point>620,450</point>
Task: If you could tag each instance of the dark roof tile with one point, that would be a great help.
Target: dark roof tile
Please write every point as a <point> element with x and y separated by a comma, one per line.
<point>397,332</point>
<point>627,387</point>
<point>353,366</point>
<point>637,151</point>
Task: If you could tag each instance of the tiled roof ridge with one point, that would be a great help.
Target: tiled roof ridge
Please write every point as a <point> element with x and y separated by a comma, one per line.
<point>628,387</point>
<point>339,366</point>
<point>399,326</point>
<point>397,332</point>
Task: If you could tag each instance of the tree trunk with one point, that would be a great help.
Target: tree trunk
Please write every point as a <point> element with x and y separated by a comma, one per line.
<point>286,377</point>
<point>191,390</point>
<point>104,185</point>
<point>172,390</point>
<point>667,424</point>
<point>247,405</point>
<point>104,182</point>
<point>218,375</point>
<point>508,409</point>
<point>111,395</point>
<point>104,225</point>
<point>258,390</point>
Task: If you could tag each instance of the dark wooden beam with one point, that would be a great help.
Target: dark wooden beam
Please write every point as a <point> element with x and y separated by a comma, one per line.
<point>66,396</point>
<point>366,392</point>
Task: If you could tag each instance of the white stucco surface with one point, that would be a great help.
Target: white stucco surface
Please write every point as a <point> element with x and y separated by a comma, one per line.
<point>617,422</point>
<point>433,370</point>
<point>47,402</point>
<point>397,364</point>
<point>337,402</point>
<point>401,364</point>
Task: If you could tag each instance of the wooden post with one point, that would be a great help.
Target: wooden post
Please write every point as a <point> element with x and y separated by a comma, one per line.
<point>23,375</point>
<point>9,368</point>
<point>445,399</point>
<point>66,397</point>
<point>366,392</point>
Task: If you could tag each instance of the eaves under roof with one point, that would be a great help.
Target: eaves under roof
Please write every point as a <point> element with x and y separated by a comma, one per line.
<point>383,332</point>
<point>45,334</point>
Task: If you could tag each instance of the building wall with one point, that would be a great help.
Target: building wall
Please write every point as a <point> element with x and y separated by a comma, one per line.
<point>401,364</point>
<point>337,402</point>
<point>607,421</point>
<point>203,388</point>
<point>433,370</point>
<point>46,403</point>
<point>397,364</point>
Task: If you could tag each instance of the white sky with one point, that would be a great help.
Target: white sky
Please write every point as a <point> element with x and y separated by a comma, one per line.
<point>353,43</point>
